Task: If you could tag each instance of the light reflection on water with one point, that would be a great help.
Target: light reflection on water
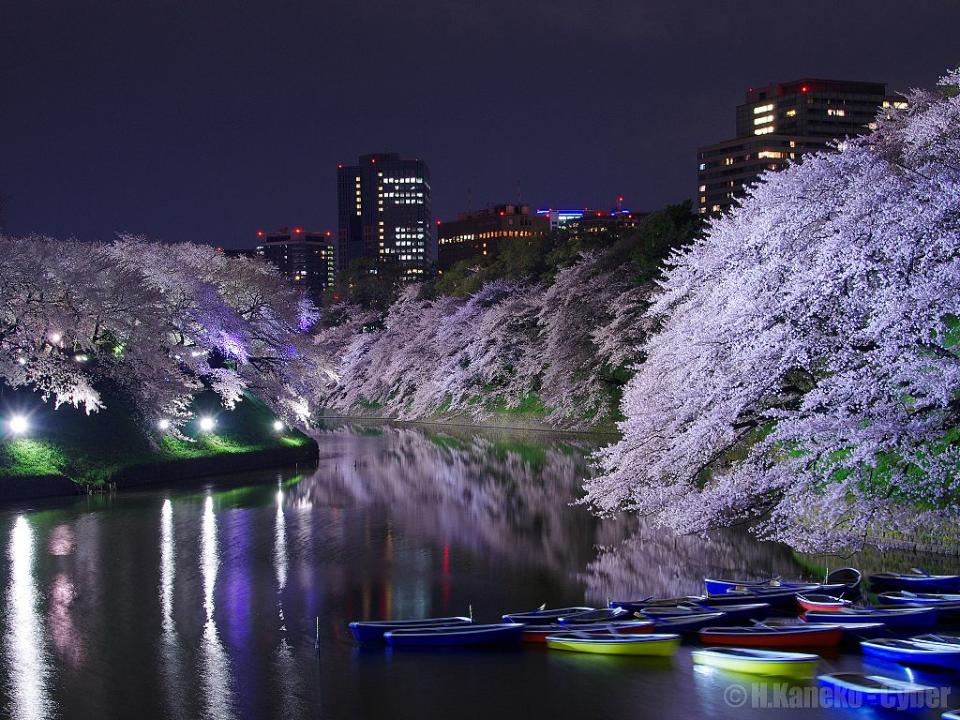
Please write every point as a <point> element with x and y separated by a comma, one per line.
<point>215,675</point>
<point>24,647</point>
<point>204,602</point>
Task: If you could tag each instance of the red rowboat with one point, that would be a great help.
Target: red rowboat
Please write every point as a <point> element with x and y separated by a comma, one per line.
<point>822,602</point>
<point>774,637</point>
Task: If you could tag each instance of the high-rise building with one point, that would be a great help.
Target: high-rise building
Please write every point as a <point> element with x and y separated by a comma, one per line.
<point>307,258</point>
<point>780,123</point>
<point>485,232</point>
<point>383,204</point>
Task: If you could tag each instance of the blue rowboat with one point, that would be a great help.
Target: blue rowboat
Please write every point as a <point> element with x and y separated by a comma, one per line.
<point>734,613</point>
<point>916,581</point>
<point>893,618</point>
<point>687,623</point>
<point>914,652</point>
<point>845,581</point>
<point>939,638</point>
<point>738,612</point>
<point>457,636</point>
<point>777,597</point>
<point>644,603</point>
<point>543,616</point>
<point>905,597</point>
<point>879,692</point>
<point>604,615</point>
<point>365,631</point>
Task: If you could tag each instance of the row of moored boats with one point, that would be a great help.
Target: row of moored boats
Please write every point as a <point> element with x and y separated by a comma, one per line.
<point>770,627</point>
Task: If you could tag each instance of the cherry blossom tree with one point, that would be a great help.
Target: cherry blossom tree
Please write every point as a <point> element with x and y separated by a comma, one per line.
<point>156,322</point>
<point>806,374</point>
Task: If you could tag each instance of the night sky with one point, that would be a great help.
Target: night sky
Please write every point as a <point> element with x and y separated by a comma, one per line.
<point>205,120</point>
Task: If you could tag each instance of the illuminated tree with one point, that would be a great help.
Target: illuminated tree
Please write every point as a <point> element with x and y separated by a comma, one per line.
<point>807,375</point>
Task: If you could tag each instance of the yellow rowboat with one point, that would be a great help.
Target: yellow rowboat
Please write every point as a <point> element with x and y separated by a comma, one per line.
<point>612,643</point>
<point>799,666</point>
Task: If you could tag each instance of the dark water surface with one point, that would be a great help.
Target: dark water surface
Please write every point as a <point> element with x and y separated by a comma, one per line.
<point>202,602</point>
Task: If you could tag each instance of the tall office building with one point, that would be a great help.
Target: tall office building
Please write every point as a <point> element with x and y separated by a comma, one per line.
<point>383,204</point>
<point>306,258</point>
<point>780,123</point>
<point>483,233</point>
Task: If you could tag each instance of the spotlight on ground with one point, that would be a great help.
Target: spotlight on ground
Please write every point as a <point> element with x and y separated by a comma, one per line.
<point>18,424</point>
<point>207,424</point>
<point>278,425</point>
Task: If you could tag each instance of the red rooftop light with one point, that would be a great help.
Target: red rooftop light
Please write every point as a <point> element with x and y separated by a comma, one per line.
<point>328,233</point>
<point>298,230</point>
<point>259,233</point>
<point>804,88</point>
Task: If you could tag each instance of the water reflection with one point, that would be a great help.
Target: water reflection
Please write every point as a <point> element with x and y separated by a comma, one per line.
<point>167,568</point>
<point>26,659</point>
<point>215,669</point>
<point>171,654</point>
<point>223,587</point>
<point>63,630</point>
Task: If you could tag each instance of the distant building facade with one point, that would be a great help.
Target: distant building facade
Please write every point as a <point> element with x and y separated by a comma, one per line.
<point>592,224</point>
<point>384,209</point>
<point>484,233</point>
<point>307,258</point>
<point>779,124</point>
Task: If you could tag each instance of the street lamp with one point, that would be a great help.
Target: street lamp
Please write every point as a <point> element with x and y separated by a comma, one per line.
<point>207,423</point>
<point>18,424</point>
<point>278,425</point>
<point>163,424</point>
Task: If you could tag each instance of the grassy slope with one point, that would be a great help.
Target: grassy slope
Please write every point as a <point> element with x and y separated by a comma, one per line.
<point>89,449</point>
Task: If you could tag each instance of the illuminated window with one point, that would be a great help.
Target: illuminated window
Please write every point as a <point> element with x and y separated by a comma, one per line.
<point>769,154</point>
<point>764,130</point>
<point>763,119</point>
<point>791,112</point>
<point>703,188</point>
<point>762,109</point>
<point>728,161</point>
<point>836,112</point>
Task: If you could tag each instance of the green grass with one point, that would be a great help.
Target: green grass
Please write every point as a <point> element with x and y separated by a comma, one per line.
<point>90,449</point>
<point>28,457</point>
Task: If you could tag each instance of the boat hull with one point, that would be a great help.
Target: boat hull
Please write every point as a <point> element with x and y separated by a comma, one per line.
<point>806,637</point>
<point>915,583</point>
<point>905,619</point>
<point>646,646</point>
<point>773,666</point>
<point>543,617</point>
<point>922,654</point>
<point>504,634</point>
<point>539,633</point>
<point>894,695</point>
<point>370,631</point>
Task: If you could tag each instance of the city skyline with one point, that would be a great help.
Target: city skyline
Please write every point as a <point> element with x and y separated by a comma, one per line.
<point>219,123</point>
